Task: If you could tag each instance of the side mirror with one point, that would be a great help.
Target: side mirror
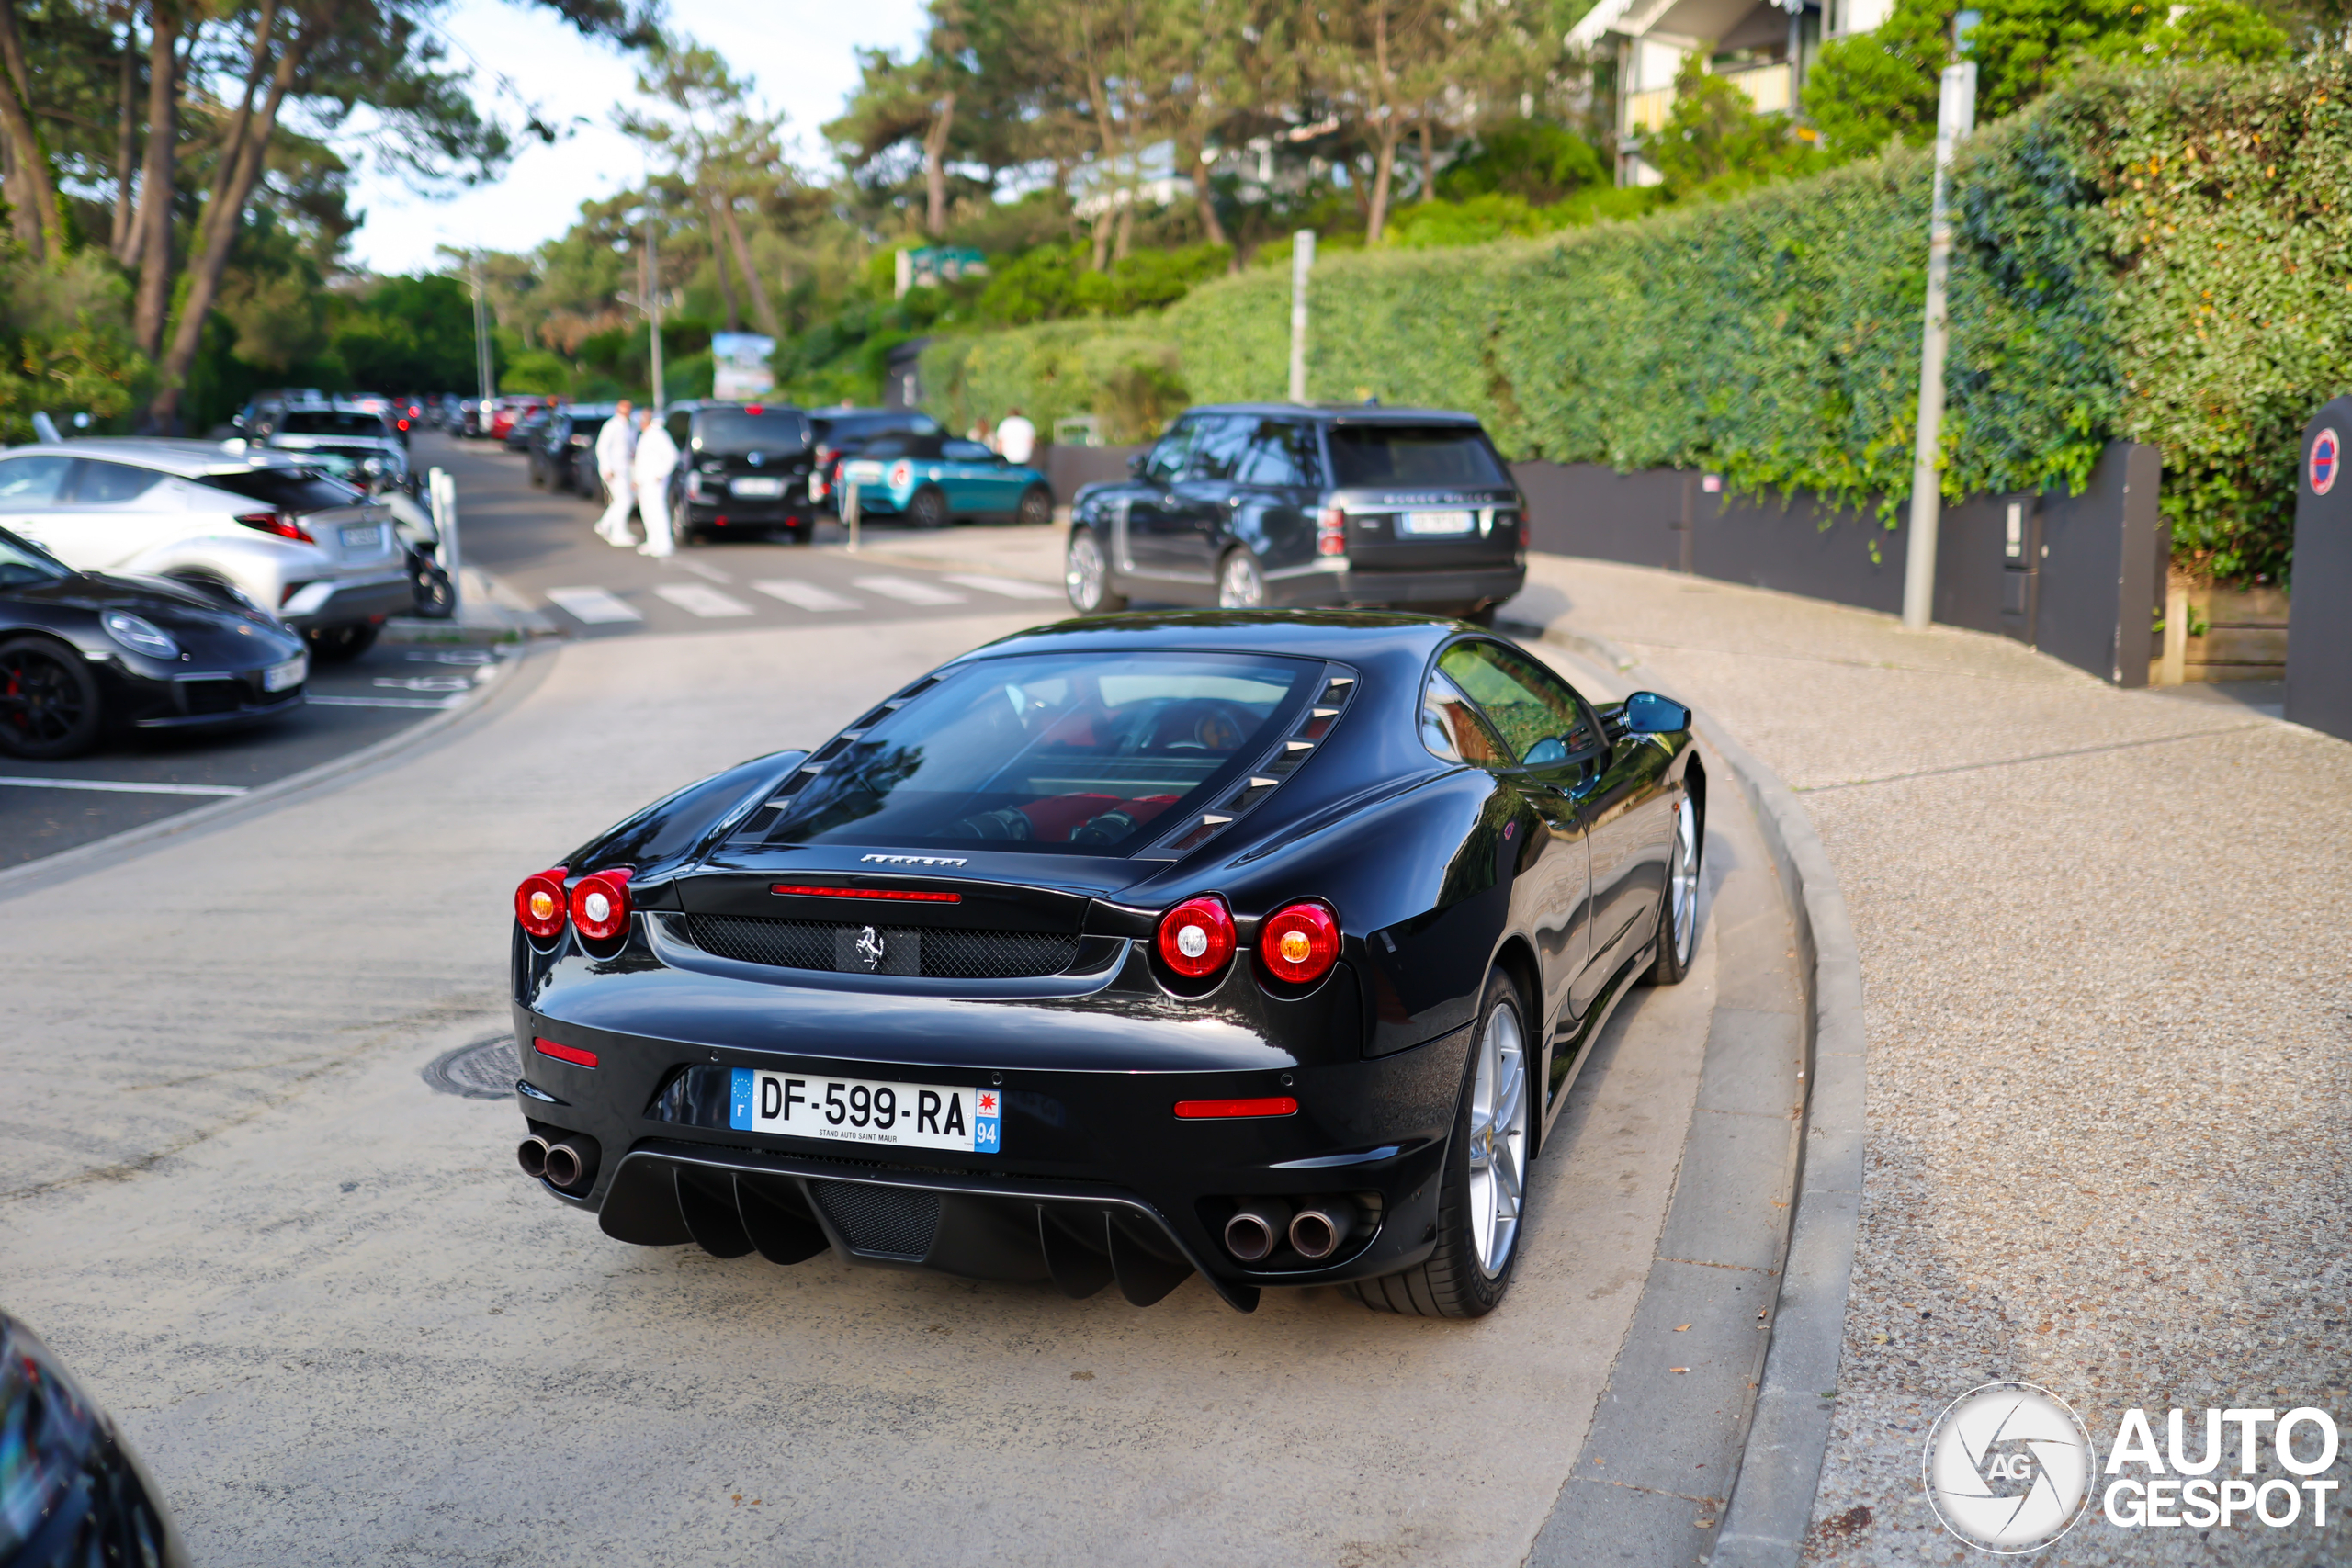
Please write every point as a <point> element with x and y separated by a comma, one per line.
<point>1135,460</point>
<point>1647,712</point>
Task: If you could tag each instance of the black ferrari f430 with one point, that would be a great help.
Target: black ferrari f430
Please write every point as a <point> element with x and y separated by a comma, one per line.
<point>1262,946</point>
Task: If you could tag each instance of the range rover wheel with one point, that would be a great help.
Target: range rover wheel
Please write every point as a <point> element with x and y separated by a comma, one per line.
<point>1240,584</point>
<point>1482,1192</point>
<point>1086,574</point>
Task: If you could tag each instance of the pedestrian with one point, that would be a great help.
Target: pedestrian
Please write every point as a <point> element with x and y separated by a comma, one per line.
<point>616,445</point>
<point>1016,438</point>
<point>981,433</point>
<point>650,471</point>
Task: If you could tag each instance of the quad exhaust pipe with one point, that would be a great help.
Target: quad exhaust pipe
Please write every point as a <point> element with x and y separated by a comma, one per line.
<point>531,1154</point>
<point>568,1162</point>
<point>1318,1228</point>
<point>1255,1228</point>
<point>567,1166</point>
<point>1315,1229</point>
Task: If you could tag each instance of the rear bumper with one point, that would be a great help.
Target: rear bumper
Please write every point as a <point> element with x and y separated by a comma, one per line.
<point>1320,586</point>
<point>348,599</point>
<point>761,514</point>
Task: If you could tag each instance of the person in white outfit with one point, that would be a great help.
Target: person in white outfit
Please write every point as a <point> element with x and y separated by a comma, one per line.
<point>616,445</point>
<point>1016,437</point>
<point>649,471</point>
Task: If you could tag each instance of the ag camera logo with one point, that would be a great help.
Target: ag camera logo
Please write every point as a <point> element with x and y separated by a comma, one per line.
<point>2007,1467</point>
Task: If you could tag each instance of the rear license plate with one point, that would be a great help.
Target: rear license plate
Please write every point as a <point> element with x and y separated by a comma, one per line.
<point>857,1111</point>
<point>1418,524</point>
<point>760,488</point>
<point>287,676</point>
<point>861,474</point>
<point>366,538</point>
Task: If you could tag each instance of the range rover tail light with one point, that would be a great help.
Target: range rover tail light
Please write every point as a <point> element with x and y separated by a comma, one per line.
<point>600,905</point>
<point>1196,937</point>
<point>276,522</point>
<point>540,903</point>
<point>1299,943</point>
<point>1330,532</point>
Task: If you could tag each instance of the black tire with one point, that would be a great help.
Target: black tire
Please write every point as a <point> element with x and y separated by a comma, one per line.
<point>1454,1280</point>
<point>1480,616</point>
<point>1036,507</point>
<point>1677,909</point>
<point>436,598</point>
<point>50,704</point>
<point>1085,575</point>
<point>927,508</point>
<point>340,644</point>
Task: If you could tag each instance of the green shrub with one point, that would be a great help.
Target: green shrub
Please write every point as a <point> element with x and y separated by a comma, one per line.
<point>1532,159</point>
<point>1129,378</point>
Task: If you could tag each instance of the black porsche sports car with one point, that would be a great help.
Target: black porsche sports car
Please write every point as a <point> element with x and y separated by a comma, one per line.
<point>83,654</point>
<point>1260,945</point>
<point>71,1491</point>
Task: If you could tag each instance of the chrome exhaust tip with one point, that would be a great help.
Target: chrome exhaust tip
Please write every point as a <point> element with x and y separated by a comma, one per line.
<point>531,1154</point>
<point>1255,1228</point>
<point>563,1164</point>
<point>1316,1230</point>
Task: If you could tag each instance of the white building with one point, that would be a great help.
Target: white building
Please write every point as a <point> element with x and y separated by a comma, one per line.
<point>1762,47</point>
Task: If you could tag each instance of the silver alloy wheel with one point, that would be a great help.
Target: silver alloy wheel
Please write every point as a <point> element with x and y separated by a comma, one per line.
<point>1084,572</point>
<point>1238,585</point>
<point>1498,1139</point>
<point>1682,882</point>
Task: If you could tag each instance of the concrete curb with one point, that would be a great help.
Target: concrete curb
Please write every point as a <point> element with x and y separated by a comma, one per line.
<point>66,864</point>
<point>1788,1435</point>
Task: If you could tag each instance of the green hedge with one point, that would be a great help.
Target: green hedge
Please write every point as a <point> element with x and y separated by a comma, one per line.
<point>2153,254</point>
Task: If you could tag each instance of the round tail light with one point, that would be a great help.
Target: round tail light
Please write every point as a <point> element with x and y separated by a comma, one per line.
<point>539,903</point>
<point>600,905</point>
<point>1196,937</point>
<point>1299,943</point>
<point>902,475</point>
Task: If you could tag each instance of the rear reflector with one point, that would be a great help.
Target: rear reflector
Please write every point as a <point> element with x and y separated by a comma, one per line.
<point>1200,1110</point>
<point>571,1054</point>
<point>897,895</point>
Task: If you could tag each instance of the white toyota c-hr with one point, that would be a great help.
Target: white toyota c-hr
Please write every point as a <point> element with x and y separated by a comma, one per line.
<point>259,524</point>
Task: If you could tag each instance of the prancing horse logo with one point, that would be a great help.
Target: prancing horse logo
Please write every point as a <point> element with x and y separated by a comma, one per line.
<point>870,947</point>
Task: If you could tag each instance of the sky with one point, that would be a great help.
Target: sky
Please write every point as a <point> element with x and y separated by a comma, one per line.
<point>799,51</point>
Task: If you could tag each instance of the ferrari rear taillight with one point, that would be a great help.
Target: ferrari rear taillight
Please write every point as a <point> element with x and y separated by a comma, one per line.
<point>600,904</point>
<point>276,522</point>
<point>1196,937</point>
<point>1299,943</point>
<point>1330,532</point>
<point>540,903</point>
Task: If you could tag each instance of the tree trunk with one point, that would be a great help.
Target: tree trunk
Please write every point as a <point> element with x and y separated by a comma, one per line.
<point>1428,159</point>
<point>32,189</point>
<point>763,308</point>
<point>934,166</point>
<point>126,142</point>
<point>258,70</point>
<point>1385,166</point>
<point>157,176</point>
<point>1127,232</point>
<point>1211,229</point>
<point>221,217</point>
<point>719,264</point>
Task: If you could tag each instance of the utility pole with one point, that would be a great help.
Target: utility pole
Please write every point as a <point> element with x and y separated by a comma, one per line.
<point>483,362</point>
<point>1955,117</point>
<point>653,311</point>
<point>1302,262</point>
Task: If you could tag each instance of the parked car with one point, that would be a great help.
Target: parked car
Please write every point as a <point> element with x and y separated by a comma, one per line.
<point>934,479</point>
<point>505,411</point>
<point>1258,945</point>
<point>742,470</point>
<point>563,457</point>
<point>263,410</point>
<point>72,1492</point>
<point>369,452</point>
<point>527,425</point>
<point>249,525</point>
<point>841,433</point>
<point>1253,504</point>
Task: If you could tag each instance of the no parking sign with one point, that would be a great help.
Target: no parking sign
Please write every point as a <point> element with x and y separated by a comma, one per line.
<point>2318,633</point>
<point>2327,455</point>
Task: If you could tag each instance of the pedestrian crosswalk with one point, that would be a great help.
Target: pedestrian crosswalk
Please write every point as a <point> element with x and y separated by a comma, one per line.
<point>906,590</point>
<point>805,595</point>
<point>596,606</point>
<point>697,599</point>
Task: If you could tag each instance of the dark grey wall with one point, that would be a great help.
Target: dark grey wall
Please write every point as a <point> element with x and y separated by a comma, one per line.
<point>1067,467</point>
<point>2319,628</point>
<point>2089,601</point>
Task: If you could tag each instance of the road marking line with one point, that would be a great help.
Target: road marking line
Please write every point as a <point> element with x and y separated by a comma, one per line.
<point>595,607</point>
<point>1009,587</point>
<point>709,572</point>
<point>807,595</point>
<point>430,703</point>
<point>696,600</point>
<point>110,786</point>
<point>908,589</point>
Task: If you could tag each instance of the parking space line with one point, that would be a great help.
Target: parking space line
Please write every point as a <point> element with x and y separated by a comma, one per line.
<point>1008,587</point>
<point>428,703</point>
<point>696,600</point>
<point>594,606</point>
<point>908,591</point>
<point>806,595</point>
<point>114,787</point>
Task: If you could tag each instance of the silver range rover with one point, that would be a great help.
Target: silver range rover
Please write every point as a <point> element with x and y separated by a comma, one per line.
<point>257,526</point>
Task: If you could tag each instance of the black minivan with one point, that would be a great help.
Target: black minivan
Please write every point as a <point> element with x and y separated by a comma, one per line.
<point>742,470</point>
<point>1264,504</point>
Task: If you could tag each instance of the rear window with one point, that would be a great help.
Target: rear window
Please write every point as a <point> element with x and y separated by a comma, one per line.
<point>1070,753</point>
<point>730,431</point>
<point>334,421</point>
<point>1438,456</point>
<point>297,490</point>
<point>903,446</point>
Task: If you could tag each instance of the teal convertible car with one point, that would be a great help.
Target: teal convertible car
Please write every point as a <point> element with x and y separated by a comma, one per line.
<point>932,480</point>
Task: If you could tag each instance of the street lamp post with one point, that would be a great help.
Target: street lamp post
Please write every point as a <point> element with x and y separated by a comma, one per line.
<point>653,312</point>
<point>1302,262</point>
<point>482,331</point>
<point>1955,116</point>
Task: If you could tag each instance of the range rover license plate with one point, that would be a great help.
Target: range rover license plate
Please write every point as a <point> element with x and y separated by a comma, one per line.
<point>858,1110</point>
<point>1421,523</point>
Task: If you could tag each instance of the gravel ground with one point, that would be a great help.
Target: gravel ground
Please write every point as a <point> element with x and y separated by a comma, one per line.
<point>2104,942</point>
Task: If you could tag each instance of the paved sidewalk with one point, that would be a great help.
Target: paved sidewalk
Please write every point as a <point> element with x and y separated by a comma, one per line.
<point>2104,941</point>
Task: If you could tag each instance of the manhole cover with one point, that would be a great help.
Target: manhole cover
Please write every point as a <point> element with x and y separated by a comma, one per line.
<point>484,1070</point>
